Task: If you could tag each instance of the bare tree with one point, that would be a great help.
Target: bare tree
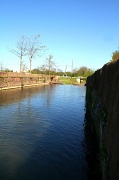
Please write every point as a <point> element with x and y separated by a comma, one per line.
<point>34,48</point>
<point>1,66</point>
<point>42,68</point>
<point>24,67</point>
<point>21,49</point>
<point>50,63</point>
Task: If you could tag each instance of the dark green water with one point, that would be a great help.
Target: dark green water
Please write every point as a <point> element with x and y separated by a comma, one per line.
<point>43,134</point>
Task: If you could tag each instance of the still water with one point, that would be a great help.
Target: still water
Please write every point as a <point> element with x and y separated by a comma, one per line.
<point>42,134</point>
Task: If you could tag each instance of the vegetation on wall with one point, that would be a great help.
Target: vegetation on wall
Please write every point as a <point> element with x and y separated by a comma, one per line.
<point>115,55</point>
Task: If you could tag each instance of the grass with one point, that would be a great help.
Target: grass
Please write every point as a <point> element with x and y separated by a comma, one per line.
<point>68,80</point>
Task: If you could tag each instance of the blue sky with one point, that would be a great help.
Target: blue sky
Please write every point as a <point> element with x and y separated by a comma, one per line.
<point>83,31</point>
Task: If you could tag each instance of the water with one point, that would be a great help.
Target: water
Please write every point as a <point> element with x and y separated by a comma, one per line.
<point>42,134</point>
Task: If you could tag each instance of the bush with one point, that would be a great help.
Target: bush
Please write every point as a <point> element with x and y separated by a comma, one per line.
<point>115,55</point>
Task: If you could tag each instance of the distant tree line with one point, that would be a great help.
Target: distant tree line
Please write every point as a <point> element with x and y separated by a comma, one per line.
<point>3,69</point>
<point>82,71</point>
<point>32,47</point>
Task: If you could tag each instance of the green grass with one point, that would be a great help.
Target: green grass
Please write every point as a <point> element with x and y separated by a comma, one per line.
<point>68,80</point>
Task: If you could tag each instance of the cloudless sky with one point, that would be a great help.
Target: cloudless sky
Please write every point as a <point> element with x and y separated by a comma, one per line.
<point>83,31</point>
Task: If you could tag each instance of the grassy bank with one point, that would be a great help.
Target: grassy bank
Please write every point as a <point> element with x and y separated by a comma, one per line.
<point>68,80</point>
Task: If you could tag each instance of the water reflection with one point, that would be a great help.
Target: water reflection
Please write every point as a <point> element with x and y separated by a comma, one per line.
<point>15,95</point>
<point>42,134</point>
<point>20,127</point>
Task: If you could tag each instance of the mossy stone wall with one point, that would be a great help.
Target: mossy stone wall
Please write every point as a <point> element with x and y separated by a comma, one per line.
<point>103,103</point>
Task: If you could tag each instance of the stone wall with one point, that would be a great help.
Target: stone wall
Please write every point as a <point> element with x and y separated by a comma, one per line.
<point>102,97</point>
<point>11,80</point>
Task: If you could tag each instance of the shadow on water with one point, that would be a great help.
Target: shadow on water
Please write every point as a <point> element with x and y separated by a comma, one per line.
<point>91,149</point>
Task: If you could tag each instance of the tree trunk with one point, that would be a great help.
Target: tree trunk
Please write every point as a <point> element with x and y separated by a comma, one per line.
<point>30,63</point>
<point>20,64</point>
